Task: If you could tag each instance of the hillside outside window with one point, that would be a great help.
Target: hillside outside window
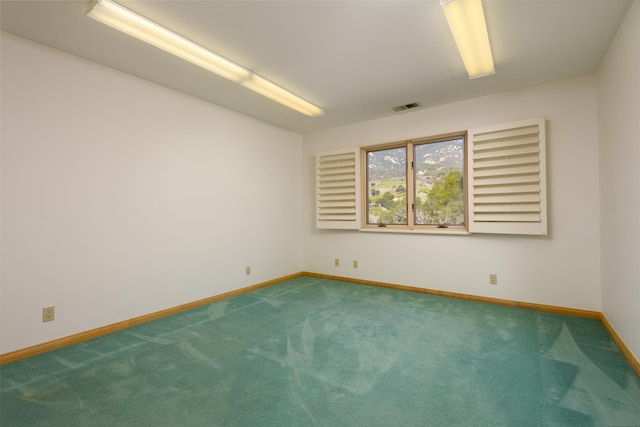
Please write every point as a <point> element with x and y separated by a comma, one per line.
<point>416,184</point>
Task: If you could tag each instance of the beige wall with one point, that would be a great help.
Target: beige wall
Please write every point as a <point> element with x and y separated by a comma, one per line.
<point>561,269</point>
<point>619,135</point>
<point>121,197</point>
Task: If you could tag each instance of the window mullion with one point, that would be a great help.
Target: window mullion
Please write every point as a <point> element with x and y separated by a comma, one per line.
<point>410,187</point>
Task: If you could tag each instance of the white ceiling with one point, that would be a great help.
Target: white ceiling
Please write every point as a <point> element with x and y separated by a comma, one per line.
<point>355,59</point>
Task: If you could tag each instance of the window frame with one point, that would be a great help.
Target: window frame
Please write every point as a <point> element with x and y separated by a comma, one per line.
<point>409,146</point>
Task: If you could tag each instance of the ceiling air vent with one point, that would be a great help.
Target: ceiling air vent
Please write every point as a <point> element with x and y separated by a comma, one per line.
<point>406,106</point>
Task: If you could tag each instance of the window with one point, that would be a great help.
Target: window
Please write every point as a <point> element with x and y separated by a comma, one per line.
<point>485,180</point>
<point>416,184</point>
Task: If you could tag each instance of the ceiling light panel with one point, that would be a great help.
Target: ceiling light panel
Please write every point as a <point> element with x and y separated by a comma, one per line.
<point>469,29</point>
<point>129,22</point>
<point>272,91</point>
<point>116,16</point>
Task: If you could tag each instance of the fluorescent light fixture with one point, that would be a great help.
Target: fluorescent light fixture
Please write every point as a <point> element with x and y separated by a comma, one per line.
<point>123,19</point>
<point>467,23</point>
<point>273,91</point>
<point>116,16</point>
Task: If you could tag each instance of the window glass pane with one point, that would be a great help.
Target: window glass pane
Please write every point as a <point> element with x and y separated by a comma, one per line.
<point>439,191</point>
<point>387,186</point>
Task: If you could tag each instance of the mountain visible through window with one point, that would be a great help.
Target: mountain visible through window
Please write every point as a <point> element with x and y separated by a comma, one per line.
<point>416,184</point>
<point>439,191</point>
<point>387,186</point>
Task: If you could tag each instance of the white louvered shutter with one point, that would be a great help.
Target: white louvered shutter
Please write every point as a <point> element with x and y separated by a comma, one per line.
<point>338,189</point>
<point>507,174</point>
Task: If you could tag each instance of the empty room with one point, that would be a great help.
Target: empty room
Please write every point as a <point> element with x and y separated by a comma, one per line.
<point>320,213</point>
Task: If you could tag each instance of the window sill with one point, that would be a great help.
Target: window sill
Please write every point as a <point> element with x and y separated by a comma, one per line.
<point>458,231</point>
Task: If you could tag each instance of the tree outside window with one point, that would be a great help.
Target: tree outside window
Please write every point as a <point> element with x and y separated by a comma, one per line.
<point>417,184</point>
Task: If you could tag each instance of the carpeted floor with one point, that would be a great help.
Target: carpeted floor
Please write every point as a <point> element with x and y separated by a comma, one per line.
<point>315,352</point>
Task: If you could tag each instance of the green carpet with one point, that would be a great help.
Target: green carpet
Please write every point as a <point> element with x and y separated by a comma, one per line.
<point>315,352</point>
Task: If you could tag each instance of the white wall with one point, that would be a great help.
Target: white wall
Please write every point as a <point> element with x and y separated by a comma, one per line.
<point>619,136</point>
<point>560,269</point>
<point>121,197</point>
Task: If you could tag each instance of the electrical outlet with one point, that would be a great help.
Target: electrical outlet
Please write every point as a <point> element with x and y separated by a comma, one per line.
<point>48,314</point>
<point>247,270</point>
<point>355,263</point>
<point>336,262</point>
<point>493,279</point>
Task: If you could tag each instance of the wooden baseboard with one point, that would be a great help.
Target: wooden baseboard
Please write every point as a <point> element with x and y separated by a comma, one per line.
<point>626,352</point>
<point>510,303</point>
<point>94,333</point>
<point>628,355</point>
